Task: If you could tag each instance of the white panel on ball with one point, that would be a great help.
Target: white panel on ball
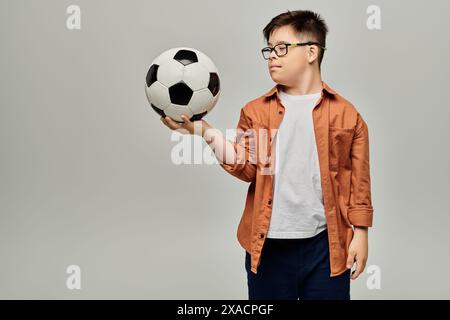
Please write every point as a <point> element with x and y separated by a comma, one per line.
<point>200,100</point>
<point>176,111</point>
<point>169,72</point>
<point>196,76</point>
<point>158,95</point>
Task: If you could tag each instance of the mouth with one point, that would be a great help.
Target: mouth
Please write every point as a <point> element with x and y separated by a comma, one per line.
<point>274,67</point>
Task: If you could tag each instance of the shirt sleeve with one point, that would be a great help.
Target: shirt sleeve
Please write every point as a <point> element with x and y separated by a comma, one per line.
<point>360,210</point>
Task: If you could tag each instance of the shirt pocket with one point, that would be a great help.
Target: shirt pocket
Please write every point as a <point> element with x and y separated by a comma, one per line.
<point>340,147</point>
<point>261,144</point>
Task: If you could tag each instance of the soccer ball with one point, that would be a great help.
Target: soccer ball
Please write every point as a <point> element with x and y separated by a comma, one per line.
<point>182,80</point>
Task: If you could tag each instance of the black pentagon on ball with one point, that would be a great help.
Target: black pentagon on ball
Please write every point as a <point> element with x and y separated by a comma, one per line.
<point>151,74</point>
<point>158,110</point>
<point>186,57</point>
<point>198,116</point>
<point>180,93</point>
<point>214,83</point>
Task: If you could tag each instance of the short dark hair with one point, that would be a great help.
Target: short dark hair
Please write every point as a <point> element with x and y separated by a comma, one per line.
<point>303,22</point>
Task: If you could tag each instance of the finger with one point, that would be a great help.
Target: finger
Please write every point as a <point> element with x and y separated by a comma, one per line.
<point>172,124</point>
<point>185,119</point>
<point>355,273</point>
<point>361,264</point>
<point>359,269</point>
<point>164,121</point>
<point>350,259</point>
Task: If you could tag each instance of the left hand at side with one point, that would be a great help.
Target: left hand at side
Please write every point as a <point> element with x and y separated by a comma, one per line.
<point>358,251</point>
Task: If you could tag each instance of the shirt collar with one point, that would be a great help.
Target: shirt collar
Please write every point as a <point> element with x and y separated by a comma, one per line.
<point>276,89</point>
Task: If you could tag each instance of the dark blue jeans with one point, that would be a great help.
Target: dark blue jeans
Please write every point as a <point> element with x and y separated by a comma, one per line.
<point>296,269</point>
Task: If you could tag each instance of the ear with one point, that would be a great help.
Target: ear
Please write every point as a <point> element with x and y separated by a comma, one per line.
<point>313,53</point>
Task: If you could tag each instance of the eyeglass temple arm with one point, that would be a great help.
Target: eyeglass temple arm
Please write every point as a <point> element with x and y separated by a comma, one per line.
<point>309,43</point>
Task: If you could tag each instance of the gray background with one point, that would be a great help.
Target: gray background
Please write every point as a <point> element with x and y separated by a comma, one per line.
<point>86,176</point>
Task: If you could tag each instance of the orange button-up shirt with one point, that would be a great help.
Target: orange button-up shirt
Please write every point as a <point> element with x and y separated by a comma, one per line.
<point>342,140</point>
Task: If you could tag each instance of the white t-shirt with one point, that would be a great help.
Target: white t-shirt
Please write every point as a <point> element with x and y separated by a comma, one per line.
<point>297,209</point>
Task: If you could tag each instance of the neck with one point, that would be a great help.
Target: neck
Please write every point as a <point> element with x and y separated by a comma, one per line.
<point>307,82</point>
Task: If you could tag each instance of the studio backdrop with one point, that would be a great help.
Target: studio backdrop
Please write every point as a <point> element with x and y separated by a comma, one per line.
<point>96,204</point>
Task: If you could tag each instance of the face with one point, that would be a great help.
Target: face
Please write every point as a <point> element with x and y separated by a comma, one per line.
<point>295,62</point>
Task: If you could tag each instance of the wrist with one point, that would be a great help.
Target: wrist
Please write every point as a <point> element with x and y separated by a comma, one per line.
<point>205,128</point>
<point>363,231</point>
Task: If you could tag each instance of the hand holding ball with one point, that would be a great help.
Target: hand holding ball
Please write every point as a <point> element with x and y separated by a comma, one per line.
<point>188,125</point>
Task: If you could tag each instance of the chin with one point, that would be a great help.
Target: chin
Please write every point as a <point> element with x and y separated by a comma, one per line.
<point>276,79</point>
<point>279,81</point>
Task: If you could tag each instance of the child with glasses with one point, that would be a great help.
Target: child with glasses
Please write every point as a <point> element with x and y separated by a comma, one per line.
<point>308,206</point>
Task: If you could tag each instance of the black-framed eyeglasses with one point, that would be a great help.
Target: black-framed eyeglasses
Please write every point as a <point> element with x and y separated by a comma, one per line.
<point>282,48</point>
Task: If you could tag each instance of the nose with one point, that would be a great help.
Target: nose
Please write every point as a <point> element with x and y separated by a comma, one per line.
<point>272,55</point>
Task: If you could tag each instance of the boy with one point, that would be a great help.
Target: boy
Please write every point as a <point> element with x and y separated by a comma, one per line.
<point>308,207</point>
